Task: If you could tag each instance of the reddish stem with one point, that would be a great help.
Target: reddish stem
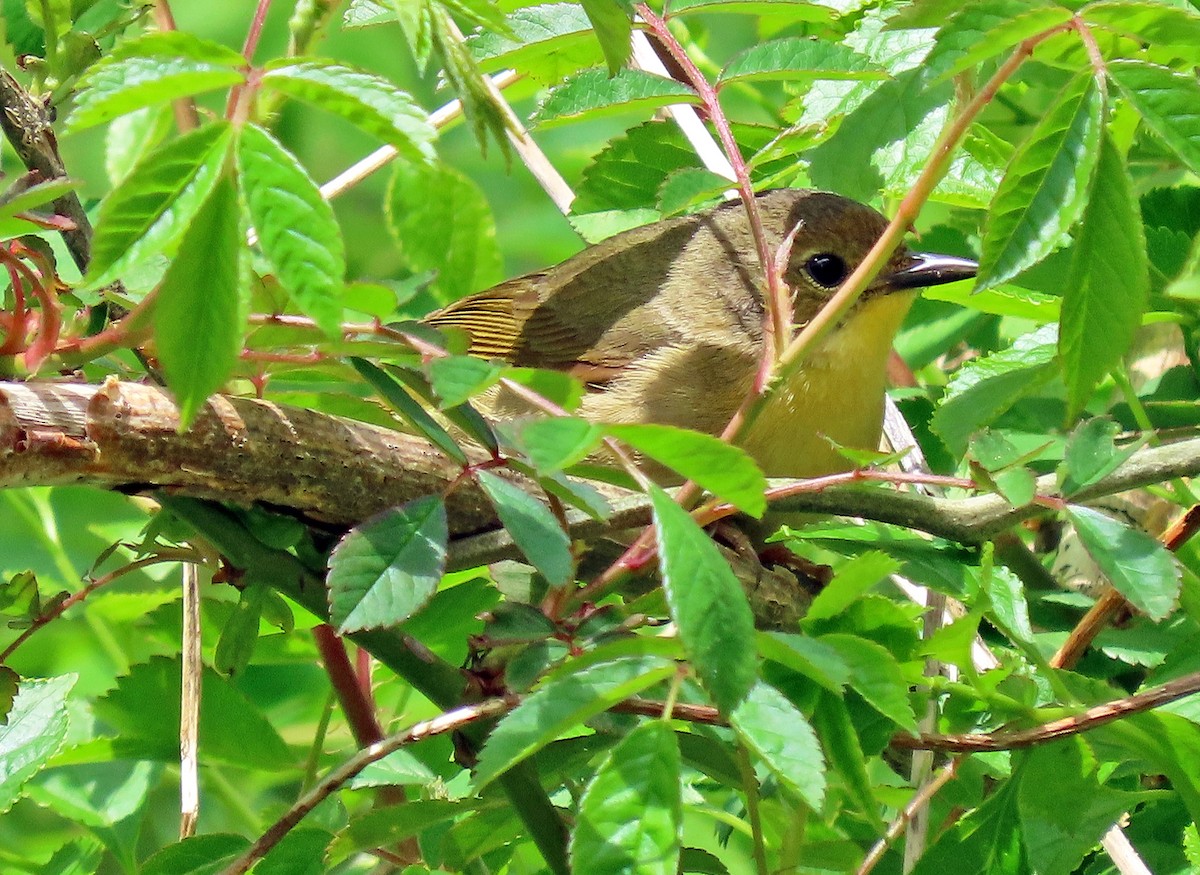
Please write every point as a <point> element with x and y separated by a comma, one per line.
<point>357,707</point>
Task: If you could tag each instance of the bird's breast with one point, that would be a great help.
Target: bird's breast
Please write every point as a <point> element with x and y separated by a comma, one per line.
<point>837,392</point>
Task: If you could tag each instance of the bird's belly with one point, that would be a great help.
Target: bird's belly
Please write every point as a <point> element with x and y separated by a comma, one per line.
<point>837,392</point>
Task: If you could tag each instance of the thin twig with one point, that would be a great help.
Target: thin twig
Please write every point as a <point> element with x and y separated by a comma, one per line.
<point>192,670</point>
<point>331,783</point>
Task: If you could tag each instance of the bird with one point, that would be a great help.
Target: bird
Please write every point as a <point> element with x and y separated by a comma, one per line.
<point>665,324</point>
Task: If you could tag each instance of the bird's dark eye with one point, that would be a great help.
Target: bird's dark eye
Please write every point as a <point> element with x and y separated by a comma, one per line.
<point>826,269</point>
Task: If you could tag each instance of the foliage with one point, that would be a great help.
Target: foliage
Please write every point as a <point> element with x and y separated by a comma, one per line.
<point>1056,142</point>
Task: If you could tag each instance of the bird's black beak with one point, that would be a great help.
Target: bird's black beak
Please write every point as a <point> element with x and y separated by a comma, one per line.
<point>922,269</point>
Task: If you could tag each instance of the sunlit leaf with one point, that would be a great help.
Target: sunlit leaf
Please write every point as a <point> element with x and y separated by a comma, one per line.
<point>779,733</point>
<point>34,731</point>
<point>799,58</point>
<point>532,526</point>
<point>593,94</point>
<point>1168,102</point>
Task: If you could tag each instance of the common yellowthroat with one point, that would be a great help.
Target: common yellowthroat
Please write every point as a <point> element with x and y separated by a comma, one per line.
<point>664,324</point>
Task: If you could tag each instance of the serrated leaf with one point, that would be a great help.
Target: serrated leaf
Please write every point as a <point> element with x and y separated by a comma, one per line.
<point>297,231</point>
<point>1045,187</point>
<point>875,675</point>
<point>631,814</point>
<point>839,739</point>
<point>10,683</point>
<point>563,703</point>
<point>1137,565</point>
<point>594,94</point>
<point>1108,284</point>
<point>532,526</point>
<point>850,581</point>
<point>364,99</point>
<point>779,733</point>
<point>1092,455</point>
<point>152,69</point>
<point>793,10</point>
<point>34,731</point>
<point>799,58</point>
<point>149,213</point>
<point>1164,30</point>
<point>557,442</point>
<point>726,471</point>
<point>365,13</point>
<point>978,31</point>
<point>707,604</point>
<point>408,407</point>
<point>198,316</point>
<point>1168,102</point>
<point>612,23</point>
<point>442,222</point>
<point>984,388</point>
<point>551,40</point>
<point>388,568</point>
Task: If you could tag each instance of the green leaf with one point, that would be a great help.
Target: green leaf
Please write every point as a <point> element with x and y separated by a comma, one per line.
<point>557,442</point>
<point>631,814</point>
<point>1136,564</point>
<point>875,675</point>
<point>232,728</point>
<point>408,407</point>
<point>978,31</point>
<point>1108,284</point>
<point>549,41</point>
<point>154,207</point>
<point>778,732</point>
<point>594,94</point>
<point>707,604</point>
<point>442,222</point>
<point>34,731</point>
<point>297,232</point>
<point>153,69</point>
<point>532,527</point>
<point>1091,454</point>
<point>613,26</point>
<point>984,388</point>
<point>726,471</point>
<point>851,580</point>
<point>1045,188</point>
<point>457,378</point>
<point>388,568</point>
<point>1167,102</point>
<point>364,99</point>
<point>564,703</point>
<point>793,11</point>
<point>10,684</point>
<point>799,58</point>
<point>387,826</point>
<point>1165,31</point>
<point>1063,806</point>
<point>831,720</point>
<point>198,317</point>
<point>240,633</point>
<point>300,852</point>
<point>197,855</point>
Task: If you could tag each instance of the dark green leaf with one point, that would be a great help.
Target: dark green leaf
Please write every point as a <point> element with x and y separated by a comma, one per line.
<point>34,731</point>
<point>875,675</point>
<point>300,852</point>
<point>775,729</point>
<point>404,404</point>
<point>154,207</point>
<point>153,69</point>
<point>9,685</point>
<point>198,317</point>
<point>295,225</point>
<point>197,855</point>
<point>1045,188</point>
<point>386,569</point>
<point>442,222</point>
<point>387,826</point>
<point>1136,564</point>
<point>831,720</point>
<point>631,814</point>
<point>364,99</point>
<point>240,633</point>
<point>726,471</point>
<point>533,528</point>
<point>563,703</point>
<point>593,94</point>
<point>800,58</point>
<point>1108,284</point>
<point>707,604</point>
